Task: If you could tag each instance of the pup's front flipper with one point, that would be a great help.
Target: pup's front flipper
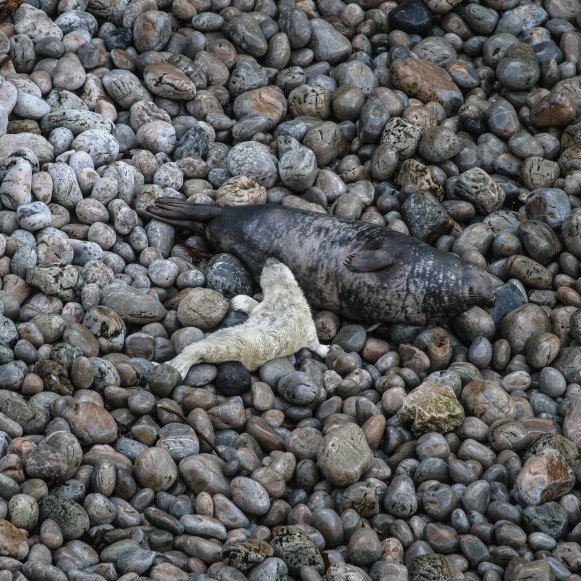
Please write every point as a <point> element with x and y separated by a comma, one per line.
<point>243,304</point>
<point>369,260</point>
<point>318,348</point>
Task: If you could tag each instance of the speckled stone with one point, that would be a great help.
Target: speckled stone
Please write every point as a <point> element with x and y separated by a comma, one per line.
<point>295,548</point>
<point>431,407</point>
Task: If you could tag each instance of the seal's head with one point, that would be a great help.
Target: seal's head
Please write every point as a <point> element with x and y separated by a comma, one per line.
<point>275,274</point>
<point>480,287</point>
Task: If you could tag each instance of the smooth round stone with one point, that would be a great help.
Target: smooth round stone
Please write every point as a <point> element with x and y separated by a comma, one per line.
<point>204,473</point>
<point>34,216</point>
<point>125,88</point>
<point>480,352</point>
<point>439,501</point>
<point>400,499</point>
<point>542,349</point>
<point>202,308</point>
<point>226,275</point>
<point>23,511</point>
<point>298,389</point>
<point>539,240</point>
<point>411,16</point>
<point>347,103</point>
<point>364,547</point>
<point>508,435</point>
<point>249,496</point>
<point>253,160</point>
<point>163,380</point>
<point>137,561</point>
<point>298,169</point>
<point>100,145</point>
<point>155,469</point>
<point>245,32</point>
<point>163,273</point>
<point>151,30</point>
<point>529,320</point>
<point>295,24</point>
<point>439,144</point>
<point>232,379</point>
<point>476,186</point>
<point>548,518</point>
<point>328,522</point>
<point>434,49</point>
<point>109,329</point>
<point>502,119</point>
<point>432,446</point>
<point>89,422</point>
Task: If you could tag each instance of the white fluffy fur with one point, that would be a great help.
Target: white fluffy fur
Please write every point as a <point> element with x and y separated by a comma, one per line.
<point>279,326</point>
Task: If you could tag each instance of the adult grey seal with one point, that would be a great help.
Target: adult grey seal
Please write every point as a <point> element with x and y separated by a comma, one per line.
<point>358,270</point>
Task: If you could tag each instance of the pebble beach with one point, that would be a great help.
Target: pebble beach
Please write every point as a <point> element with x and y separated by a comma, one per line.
<point>448,452</point>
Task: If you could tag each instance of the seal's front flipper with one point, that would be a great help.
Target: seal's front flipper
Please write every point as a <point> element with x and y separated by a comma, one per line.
<point>243,304</point>
<point>369,260</point>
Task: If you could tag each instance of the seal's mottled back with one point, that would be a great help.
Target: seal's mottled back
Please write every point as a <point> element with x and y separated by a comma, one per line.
<point>361,271</point>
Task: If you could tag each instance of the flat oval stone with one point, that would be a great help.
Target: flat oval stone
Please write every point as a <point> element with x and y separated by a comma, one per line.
<point>427,82</point>
<point>132,306</point>
<point>90,423</point>
<point>168,82</point>
<point>76,121</point>
<point>204,473</point>
<point>125,88</point>
<point>245,31</point>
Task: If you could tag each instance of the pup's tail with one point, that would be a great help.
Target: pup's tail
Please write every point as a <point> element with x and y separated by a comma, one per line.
<point>191,355</point>
<point>182,213</point>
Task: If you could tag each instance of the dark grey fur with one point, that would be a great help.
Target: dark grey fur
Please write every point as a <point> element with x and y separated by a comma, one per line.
<point>358,270</point>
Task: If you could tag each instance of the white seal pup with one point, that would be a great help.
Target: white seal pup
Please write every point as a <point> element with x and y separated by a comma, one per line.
<point>279,326</point>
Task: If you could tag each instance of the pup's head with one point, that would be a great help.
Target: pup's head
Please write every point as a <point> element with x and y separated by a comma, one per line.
<point>275,273</point>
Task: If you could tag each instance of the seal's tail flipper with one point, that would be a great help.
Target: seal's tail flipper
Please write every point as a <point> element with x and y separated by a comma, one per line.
<point>181,212</point>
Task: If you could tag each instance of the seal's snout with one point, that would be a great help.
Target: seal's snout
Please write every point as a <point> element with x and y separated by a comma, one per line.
<point>481,288</point>
<point>271,262</point>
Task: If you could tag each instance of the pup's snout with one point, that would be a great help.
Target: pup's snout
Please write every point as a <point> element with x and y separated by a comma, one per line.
<point>271,262</point>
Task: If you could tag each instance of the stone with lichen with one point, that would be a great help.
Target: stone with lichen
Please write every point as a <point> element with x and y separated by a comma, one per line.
<point>431,407</point>
<point>240,191</point>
